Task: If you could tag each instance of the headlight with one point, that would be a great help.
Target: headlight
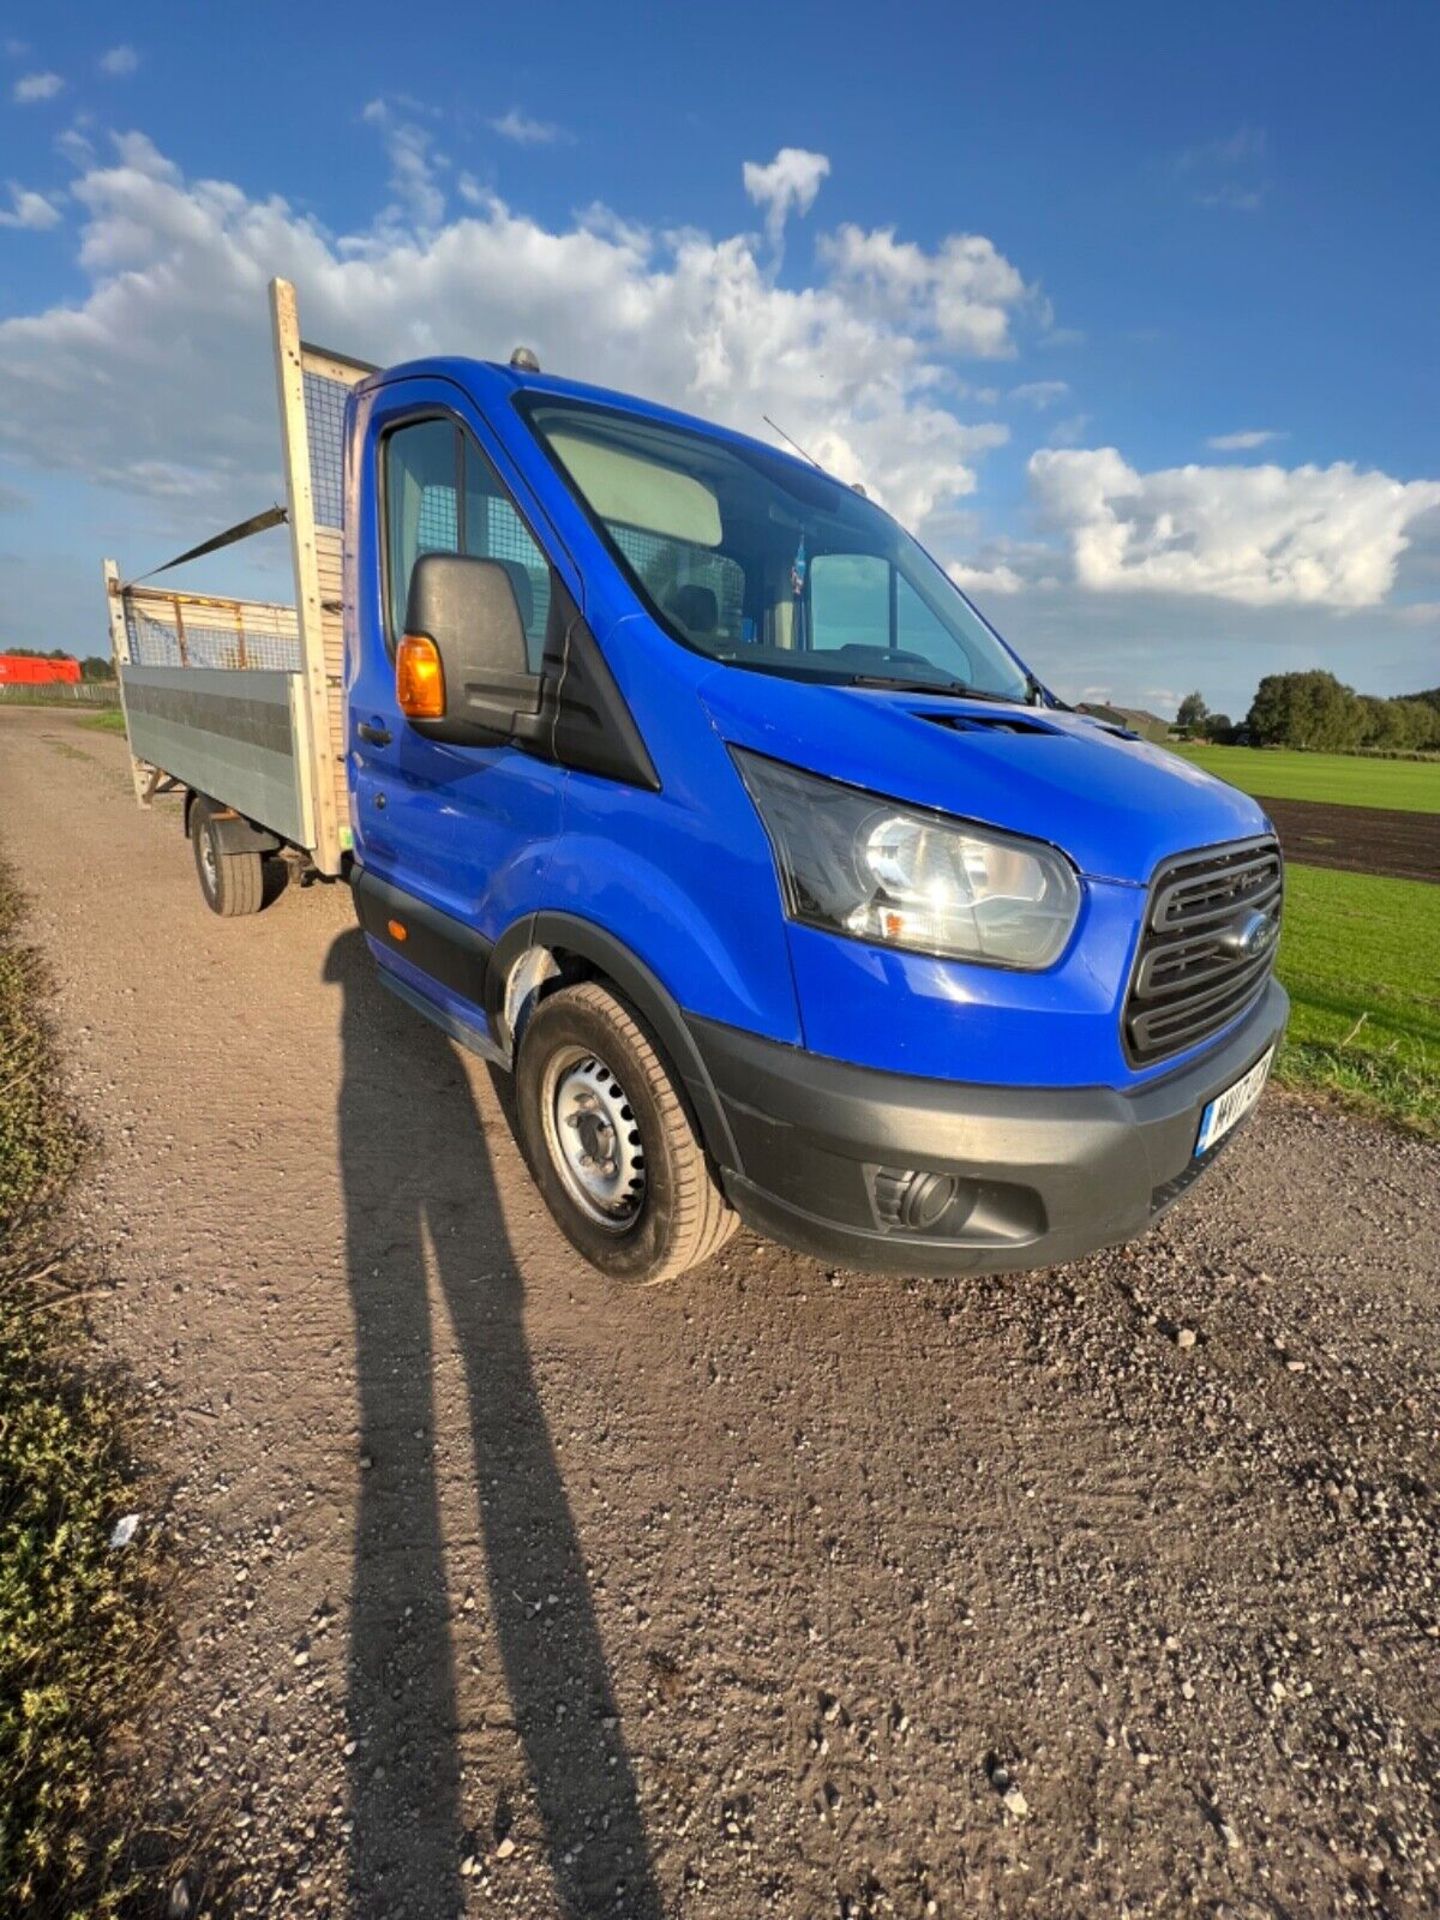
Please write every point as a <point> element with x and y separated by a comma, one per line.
<point>855,864</point>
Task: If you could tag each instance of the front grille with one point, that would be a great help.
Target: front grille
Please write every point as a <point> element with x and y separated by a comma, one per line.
<point>1194,971</point>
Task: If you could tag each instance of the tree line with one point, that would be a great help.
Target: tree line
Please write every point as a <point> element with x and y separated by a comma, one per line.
<point>1316,712</point>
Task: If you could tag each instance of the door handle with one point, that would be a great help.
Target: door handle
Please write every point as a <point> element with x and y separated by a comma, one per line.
<point>377,736</point>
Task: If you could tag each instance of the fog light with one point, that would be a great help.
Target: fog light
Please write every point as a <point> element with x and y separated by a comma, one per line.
<point>913,1200</point>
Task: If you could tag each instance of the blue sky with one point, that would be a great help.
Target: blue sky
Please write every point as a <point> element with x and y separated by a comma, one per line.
<point>1135,315</point>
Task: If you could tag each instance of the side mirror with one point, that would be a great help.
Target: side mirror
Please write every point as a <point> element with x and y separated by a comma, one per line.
<point>462,672</point>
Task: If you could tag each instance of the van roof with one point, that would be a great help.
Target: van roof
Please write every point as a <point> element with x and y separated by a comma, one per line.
<point>462,370</point>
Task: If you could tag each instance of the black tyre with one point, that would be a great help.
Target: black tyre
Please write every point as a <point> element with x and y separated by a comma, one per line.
<point>610,1143</point>
<point>232,883</point>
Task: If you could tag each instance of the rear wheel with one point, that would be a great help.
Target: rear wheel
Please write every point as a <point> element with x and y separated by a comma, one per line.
<point>610,1143</point>
<point>232,883</point>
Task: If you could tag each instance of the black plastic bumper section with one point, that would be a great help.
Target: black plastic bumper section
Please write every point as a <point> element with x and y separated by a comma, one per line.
<point>1040,1175</point>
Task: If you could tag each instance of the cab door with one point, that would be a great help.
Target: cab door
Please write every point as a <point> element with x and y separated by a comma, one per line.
<point>451,841</point>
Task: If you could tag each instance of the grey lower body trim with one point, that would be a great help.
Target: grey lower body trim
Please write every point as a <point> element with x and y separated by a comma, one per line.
<point>1042,1174</point>
<point>440,946</point>
<point>459,1030</point>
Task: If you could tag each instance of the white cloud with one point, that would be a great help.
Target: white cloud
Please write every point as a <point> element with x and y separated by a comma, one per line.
<point>1262,536</point>
<point>30,210</point>
<point>119,61</point>
<point>983,580</point>
<point>36,86</point>
<point>414,165</point>
<point>1040,393</point>
<point>1245,442</point>
<point>1231,197</point>
<point>1225,173</point>
<point>157,378</point>
<point>75,143</point>
<point>1069,431</point>
<point>785,185</point>
<point>1238,149</point>
<point>965,292</point>
<point>527,132</point>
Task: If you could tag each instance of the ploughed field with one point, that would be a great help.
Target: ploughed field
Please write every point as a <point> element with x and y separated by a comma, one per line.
<point>1403,845</point>
<point>781,1591</point>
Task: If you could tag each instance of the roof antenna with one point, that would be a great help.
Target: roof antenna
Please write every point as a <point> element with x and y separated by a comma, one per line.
<point>794,443</point>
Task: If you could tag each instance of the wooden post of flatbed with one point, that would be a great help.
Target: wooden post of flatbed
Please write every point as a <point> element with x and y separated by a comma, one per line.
<point>120,655</point>
<point>314,705</point>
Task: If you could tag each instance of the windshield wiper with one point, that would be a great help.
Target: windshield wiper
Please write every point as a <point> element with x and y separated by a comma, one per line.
<point>951,689</point>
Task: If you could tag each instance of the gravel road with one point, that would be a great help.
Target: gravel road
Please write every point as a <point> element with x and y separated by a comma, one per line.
<point>1108,1590</point>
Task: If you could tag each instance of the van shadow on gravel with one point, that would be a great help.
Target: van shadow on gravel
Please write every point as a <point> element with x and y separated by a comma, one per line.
<point>419,1191</point>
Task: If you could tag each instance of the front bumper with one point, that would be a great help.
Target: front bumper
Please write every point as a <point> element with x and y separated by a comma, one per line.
<point>1045,1174</point>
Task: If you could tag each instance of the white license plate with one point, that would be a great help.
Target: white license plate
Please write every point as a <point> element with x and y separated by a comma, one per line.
<point>1228,1109</point>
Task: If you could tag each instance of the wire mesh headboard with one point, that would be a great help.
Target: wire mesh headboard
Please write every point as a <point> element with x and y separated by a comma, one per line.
<point>325,434</point>
<point>328,378</point>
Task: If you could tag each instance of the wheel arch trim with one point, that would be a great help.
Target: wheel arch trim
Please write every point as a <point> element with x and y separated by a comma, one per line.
<point>551,933</point>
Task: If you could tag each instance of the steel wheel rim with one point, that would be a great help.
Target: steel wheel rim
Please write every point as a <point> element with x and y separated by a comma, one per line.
<point>210,866</point>
<point>594,1138</point>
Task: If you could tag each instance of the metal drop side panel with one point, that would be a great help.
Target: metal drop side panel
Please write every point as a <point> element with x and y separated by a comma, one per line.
<point>224,733</point>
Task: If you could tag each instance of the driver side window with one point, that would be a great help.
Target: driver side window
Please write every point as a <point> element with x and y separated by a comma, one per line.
<point>442,495</point>
<point>422,472</point>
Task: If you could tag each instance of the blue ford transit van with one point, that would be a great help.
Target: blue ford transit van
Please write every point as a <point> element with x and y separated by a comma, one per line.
<point>684,786</point>
<point>689,787</point>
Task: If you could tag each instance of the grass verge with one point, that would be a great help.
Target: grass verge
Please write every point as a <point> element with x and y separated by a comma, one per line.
<point>1343,779</point>
<point>108,720</point>
<point>1358,957</point>
<point>80,1622</point>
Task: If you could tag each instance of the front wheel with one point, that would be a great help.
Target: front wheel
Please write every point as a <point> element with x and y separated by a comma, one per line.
<point>610,1143</point>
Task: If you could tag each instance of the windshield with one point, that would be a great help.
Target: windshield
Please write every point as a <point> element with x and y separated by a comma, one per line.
<point>759,561</point>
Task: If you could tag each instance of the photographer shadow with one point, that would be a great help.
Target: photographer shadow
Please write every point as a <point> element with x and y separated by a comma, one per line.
<point>425,1238</point>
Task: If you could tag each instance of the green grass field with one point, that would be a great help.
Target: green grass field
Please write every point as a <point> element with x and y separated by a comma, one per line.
<point>1359,957</point>
<point>1345,779</point>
